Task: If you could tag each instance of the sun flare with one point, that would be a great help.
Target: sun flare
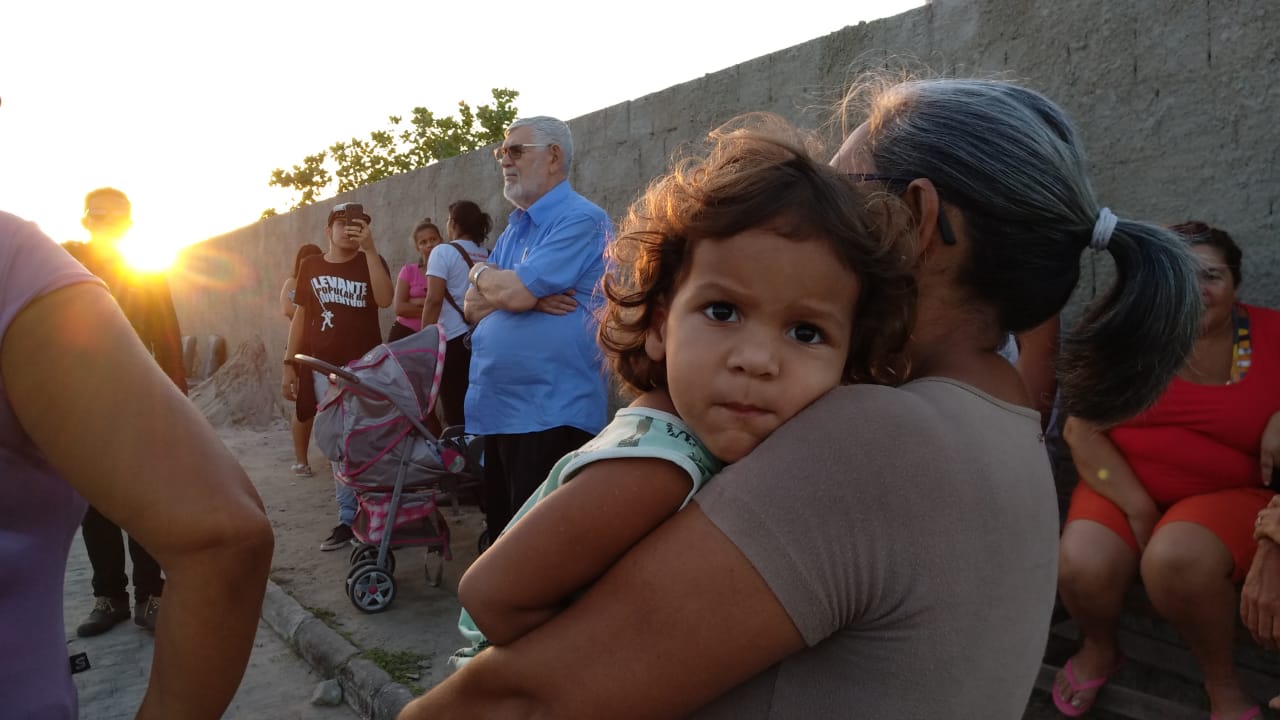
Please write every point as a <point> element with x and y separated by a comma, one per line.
<point>144,254</point>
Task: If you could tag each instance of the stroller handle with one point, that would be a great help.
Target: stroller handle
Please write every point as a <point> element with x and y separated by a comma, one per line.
<point>327,368</point>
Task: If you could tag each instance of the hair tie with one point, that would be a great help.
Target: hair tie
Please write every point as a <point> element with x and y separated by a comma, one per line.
<point>1102,229</point>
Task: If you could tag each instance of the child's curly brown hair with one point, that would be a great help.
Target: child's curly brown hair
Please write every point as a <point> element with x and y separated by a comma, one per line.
<point>755,171</point>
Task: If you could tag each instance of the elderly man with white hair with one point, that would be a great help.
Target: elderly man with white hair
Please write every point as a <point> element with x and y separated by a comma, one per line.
<point>537,388</point>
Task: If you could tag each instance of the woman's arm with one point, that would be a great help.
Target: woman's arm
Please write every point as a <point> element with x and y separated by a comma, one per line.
<point>1102,466</point>
<point>680,620</point>
<point>1268,522</point>
<point>436,287</point>
<point>164,476</point>
<point>405,306</point>
<point>286,302</point>
<point>1270,459</point>
<point>1260,596</point>
<point>567,541</point>
<point>289,376</point>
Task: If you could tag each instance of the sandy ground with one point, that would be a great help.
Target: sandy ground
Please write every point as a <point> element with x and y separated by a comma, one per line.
<point>242,401</point>
<point>421,619</point>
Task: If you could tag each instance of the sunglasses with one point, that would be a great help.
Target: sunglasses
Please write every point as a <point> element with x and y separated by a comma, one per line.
<point>897,186</point>
<point>516,151</point>
<point>101,213</point>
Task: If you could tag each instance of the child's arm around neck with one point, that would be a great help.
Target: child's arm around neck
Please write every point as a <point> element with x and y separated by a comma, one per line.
<point>568,540</point>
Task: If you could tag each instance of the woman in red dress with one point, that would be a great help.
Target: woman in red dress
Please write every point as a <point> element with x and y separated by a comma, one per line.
<point>1174,492</point>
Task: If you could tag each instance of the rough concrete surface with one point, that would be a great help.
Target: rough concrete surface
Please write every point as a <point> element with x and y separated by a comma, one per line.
<point>277,684</point>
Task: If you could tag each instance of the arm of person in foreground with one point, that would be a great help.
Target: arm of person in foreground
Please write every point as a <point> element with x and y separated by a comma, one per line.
<point>665,631</point>
<point>566,541</point>
<point>1102,466</point>
<point>164,476</point>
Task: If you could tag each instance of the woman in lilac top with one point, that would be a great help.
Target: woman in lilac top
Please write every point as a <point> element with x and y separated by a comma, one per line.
<point>69,362</point>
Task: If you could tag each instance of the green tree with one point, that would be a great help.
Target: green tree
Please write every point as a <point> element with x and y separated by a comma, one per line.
<point>399,148</point>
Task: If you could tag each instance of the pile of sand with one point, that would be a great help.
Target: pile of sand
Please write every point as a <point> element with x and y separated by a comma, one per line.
<point>242,393</point>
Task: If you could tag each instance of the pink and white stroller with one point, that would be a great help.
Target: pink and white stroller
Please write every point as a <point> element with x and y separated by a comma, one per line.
<point>371,424</point>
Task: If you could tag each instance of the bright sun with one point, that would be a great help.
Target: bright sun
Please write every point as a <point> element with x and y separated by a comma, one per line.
<point>146,254</point>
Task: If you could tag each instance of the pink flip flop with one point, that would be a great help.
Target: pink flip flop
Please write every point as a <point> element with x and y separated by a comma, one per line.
<point>1250,714</point>
<point>1070,710</point>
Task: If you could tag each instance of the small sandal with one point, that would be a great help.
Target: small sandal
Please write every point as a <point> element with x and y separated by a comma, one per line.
<point>301,470</point>
<point>1077,686</point>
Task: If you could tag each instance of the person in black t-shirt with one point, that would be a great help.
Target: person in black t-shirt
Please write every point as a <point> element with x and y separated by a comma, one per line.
<point>338,295</point>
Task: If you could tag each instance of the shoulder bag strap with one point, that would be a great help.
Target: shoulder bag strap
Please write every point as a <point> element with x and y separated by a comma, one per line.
<point>466,257</point>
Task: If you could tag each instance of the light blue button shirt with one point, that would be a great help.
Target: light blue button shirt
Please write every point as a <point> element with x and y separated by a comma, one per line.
<point>532,371</point>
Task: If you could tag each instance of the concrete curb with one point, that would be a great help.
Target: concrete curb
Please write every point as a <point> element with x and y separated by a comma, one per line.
<point>367,688</point>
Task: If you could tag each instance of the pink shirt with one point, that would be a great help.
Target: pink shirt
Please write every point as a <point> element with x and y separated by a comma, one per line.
<point>1198,439</point>
<point>413,276</point>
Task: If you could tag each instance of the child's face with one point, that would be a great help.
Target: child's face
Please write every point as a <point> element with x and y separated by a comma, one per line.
<point>758,328</point>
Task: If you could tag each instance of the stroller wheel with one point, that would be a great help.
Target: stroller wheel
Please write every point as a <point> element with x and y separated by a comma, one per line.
<point>358,567</point>
<point>370,588</point>
<point>358,550</point>
<point>369,553</point>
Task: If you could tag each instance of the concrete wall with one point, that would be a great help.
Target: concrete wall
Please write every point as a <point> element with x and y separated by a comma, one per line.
<point>1176,100</point>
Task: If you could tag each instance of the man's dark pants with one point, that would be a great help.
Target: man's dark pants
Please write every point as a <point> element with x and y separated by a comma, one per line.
<point>515,465</point>
<point>103,540</point>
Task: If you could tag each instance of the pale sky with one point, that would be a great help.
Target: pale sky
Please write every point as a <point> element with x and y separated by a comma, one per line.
<point>188,107</point>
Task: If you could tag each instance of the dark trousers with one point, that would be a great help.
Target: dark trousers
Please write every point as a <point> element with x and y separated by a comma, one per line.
<point>454,380</point>
<point>515,465</point>
<point>104,542</point>
<point>399,332</point>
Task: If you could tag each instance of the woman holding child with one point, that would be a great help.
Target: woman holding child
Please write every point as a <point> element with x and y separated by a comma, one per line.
<point>888,551</point>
